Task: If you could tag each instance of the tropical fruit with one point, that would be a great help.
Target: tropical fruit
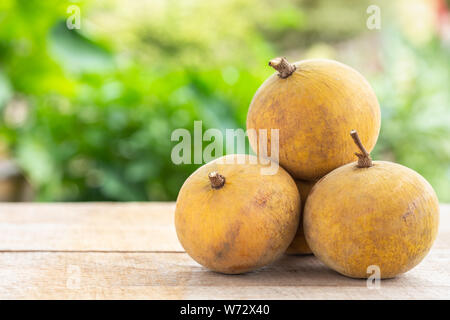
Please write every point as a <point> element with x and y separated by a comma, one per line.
<point>231,218</point>
<point>371,214</point>
<point>299,245</point>
<point>313,103</point>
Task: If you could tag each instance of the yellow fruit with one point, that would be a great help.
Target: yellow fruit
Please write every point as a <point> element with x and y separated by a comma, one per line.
<point>299,245</point>
<point>313,103</point>
<point>231,218</point>
<point>371,214</point>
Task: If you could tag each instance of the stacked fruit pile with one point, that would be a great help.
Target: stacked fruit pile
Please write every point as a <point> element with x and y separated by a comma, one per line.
<point>233,217</point>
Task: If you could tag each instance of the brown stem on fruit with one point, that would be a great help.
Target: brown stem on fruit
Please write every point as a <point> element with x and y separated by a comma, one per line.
<point>284,68</point>
<point>364,160</point>
<point>217,180</point>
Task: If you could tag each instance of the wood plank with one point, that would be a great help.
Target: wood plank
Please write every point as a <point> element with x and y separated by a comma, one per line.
<point>52,251</point>
<point>107,227</point>
<point>68,275</point>
<point>88,227</point>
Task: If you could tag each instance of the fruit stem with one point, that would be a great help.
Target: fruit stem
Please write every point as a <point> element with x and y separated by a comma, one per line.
<point>364,160</point>
<point>284,68</point>
<point>217,180</point>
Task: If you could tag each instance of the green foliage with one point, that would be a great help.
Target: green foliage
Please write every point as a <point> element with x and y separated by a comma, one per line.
<point>415,96</point>
<point>99,128</point>
<point>88,114</point>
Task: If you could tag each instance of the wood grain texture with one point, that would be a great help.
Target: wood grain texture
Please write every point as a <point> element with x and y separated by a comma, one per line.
<point>88,227</point>
<point>118,251</point>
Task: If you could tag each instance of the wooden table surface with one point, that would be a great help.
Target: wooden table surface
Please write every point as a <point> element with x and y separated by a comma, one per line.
<point>130,251</point>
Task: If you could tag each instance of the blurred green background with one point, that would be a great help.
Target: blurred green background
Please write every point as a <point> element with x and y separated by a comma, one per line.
<point>87,114</point>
